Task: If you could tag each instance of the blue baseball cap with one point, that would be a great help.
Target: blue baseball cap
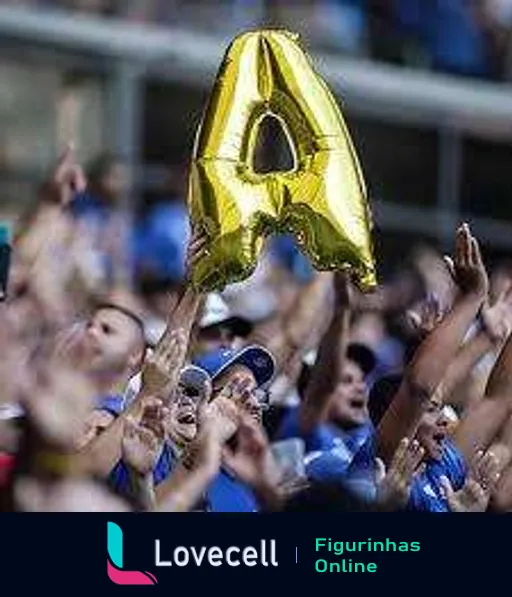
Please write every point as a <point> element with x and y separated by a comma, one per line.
<point>256,358</point>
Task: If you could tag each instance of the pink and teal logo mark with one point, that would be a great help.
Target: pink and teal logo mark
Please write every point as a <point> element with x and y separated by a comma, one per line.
<point>115,561</point>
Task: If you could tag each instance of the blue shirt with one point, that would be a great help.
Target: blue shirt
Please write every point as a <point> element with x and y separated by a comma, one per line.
<point>112,403</point>
<point>97,217</point>
<point>227,494</point>
<point>88,206</point>
<point>426,491</point>
<point>119,478</point>
<point>285,250</point>
<point>449,31</point>
<point>224,494</point>
<point>337,456</point>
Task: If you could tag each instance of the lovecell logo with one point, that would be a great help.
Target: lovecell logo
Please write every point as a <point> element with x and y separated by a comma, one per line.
<point>115,561</point>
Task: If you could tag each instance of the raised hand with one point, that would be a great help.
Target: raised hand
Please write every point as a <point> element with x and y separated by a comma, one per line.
<point>66,179</point>
<point>471,498</point>
<point>223,415</point>
<point>162,367</point>
<point>58,401</point>
<point>394,486</point>
<point>252,460</point>
<point>467,267</point>
<point>237,390</point>
<point>218,422</point>
<point>497,316</point>
<point>479,486</point>
<point>426,316</point>
<point>69,346</point>
<point>141,447</point>
<point>196,248</point>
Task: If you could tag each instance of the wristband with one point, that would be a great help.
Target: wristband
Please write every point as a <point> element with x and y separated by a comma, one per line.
<point>55,463</point>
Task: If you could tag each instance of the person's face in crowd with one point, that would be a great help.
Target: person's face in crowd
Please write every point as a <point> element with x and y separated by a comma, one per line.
<point>432,430</point>
<point>349,403</point>
<point>183,412</point>
<point>215,337</point>
<point>114,182</point>
<point>252,405</point>
<point>113,343</point>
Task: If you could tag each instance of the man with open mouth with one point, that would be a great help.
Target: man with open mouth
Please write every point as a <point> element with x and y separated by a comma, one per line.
<point>341,447</point>
<point>333,419</point>
<point>211,376</point>
<point>194,386</point>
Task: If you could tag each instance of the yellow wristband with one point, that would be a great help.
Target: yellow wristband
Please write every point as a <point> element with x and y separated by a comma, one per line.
<point>54,463</point>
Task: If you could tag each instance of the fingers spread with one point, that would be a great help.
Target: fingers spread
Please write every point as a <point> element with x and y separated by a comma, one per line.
<point>488,471</point>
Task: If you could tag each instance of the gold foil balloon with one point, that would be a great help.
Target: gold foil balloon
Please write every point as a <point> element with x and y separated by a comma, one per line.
<point>322,200</point>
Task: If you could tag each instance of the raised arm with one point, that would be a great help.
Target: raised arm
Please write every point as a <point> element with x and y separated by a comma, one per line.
<point>300,327</point>
<point>438,350</point>
<point>468,356</point>
<point>480,425</point>
<point>47,234</point>
<point>160,375</point>
<point>142,444</point>
<point>331,355</point>
<point>485,423</point>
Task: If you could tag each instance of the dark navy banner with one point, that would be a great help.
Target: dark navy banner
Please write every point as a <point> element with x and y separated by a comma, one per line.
<point>193,553</point>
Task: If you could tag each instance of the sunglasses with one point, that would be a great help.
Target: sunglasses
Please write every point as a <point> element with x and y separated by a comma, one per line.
<point>189,392</point>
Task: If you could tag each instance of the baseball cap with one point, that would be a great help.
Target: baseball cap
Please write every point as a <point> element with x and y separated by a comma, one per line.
<point>256,358</point>
<point>217,312</point>
<point>196,379</point>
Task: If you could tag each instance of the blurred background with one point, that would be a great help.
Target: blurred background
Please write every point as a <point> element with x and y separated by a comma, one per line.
<point>425,86</point>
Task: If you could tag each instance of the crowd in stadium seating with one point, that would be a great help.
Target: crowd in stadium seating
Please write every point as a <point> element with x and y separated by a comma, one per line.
<point>126,388</point>
<point>464,37</point>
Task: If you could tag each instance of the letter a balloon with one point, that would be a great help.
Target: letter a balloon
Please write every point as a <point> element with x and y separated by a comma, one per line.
<point>321,201</point>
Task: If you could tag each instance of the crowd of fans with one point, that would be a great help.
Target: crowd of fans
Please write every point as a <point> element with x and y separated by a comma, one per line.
<point>464,37</point>
<point>124,388</point>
